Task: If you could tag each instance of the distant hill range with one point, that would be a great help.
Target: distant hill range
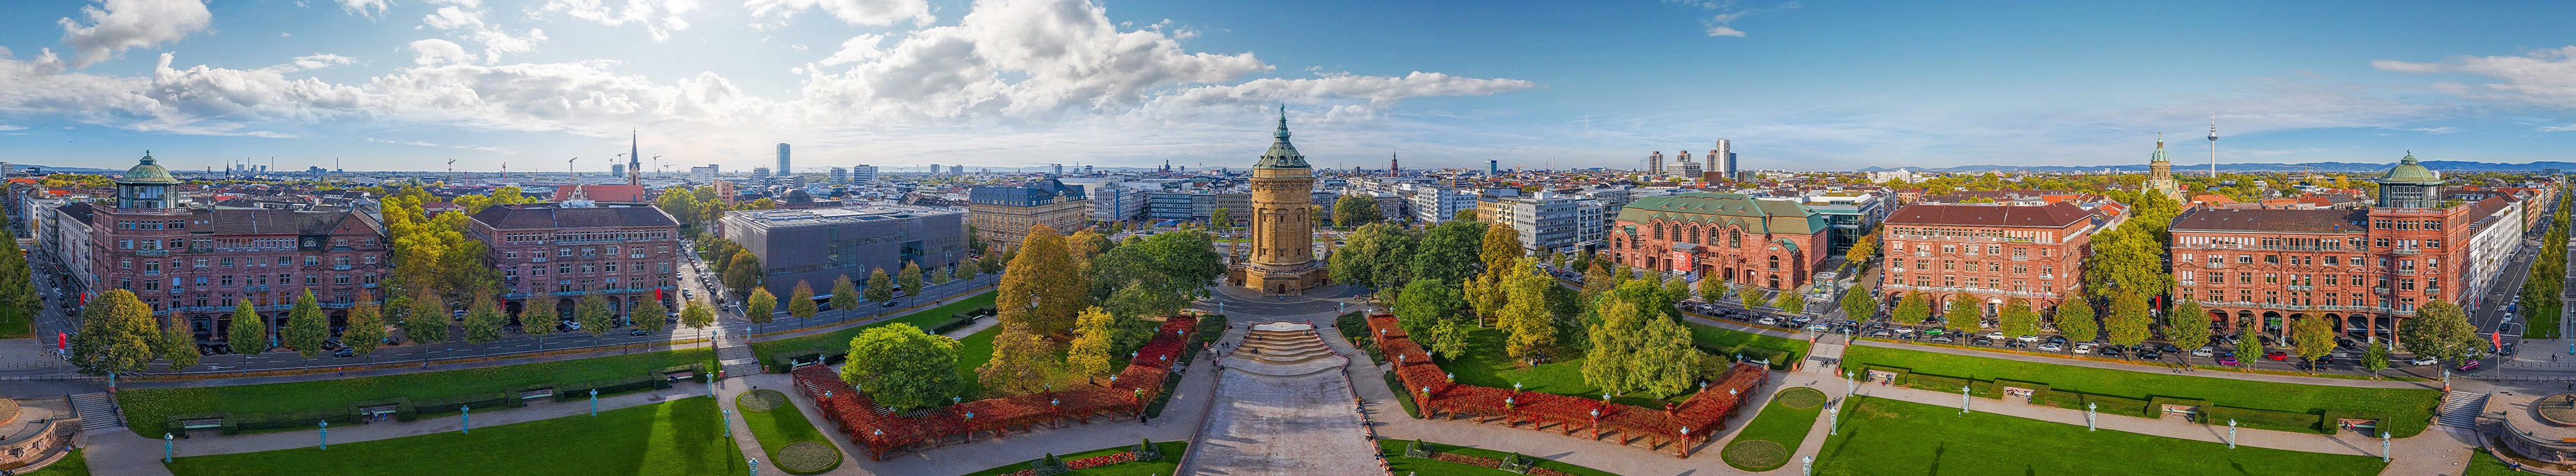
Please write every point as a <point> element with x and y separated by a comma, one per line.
<point>2322,167</point>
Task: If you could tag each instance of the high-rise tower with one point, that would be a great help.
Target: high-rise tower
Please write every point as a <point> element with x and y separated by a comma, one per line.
<point>1391,169</point>
<point>1283,236</point>
<point>2160,172</point>
<point>782,169</point>
<point>2213,147</point>
<point>1722,159</point>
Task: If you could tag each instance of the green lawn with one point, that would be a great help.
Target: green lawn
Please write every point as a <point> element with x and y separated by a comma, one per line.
<point>1766,443</point>
<point>17,324</point>
<point>2479,465</point>
<point>1723,338</point>
<point>146,409</point>
<point>1879,436</point>
<point>681,437</point>
<point>779,426</point>
<point>1394,450</point>
<point>1169,464</point>
<point>1485,365</point>
<point>840,339</point>
<point>976,349</point>
<point>2408,409</point>
<point>71,465</point>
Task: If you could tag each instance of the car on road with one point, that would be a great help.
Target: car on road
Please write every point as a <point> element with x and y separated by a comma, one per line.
<point>2470,365</point>
<point>2109,350</point>
<point>2424,361</point>
<point>637,332</point>
<point>2227,360</point>
<point>2204,351</point>
<point>2051,346</point>
<point>890,303</point>
<point>1940,339</point>
<point>2150,353</point>
<point>2084,348</point>
<point>344,352</point>
<point>2277,355</point>
<point>2339,355</point>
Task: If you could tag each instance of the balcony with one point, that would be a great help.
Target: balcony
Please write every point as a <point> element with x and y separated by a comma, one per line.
<point>152,252</point>
<point>2187,282</point>
<point>2405,272</point>
<point>2379,290</point>
<point>339,267</point>
<point>2213,265</point>
<point>540,259</point>
<point>2407,251</point>
<point>2301,288</point>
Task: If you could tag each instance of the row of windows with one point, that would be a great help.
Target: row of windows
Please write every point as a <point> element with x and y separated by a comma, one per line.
<point>151,225</point>
<point>153,267</point>
<point>587,268</point>
<point>1916,232</point>
<point>594,252</point>
<point>580,236</point>
<point>2295,299</point>
<point>2018,252</point>
<point>2402,265</point>
<point>1988,283</point>
<point>1898,265</point>
<point>287,279</point>
<point>1691,234</point>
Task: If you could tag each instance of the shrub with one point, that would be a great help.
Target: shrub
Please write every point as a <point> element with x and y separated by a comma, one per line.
<point>2265,419</point>
<point>807,457</point>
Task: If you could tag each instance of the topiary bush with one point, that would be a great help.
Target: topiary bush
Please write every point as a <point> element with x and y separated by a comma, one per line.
<point>807,457</point>
<point>760,400</point>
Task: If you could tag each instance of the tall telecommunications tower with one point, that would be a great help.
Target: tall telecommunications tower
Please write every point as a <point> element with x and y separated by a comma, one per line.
<point>2213,147</point>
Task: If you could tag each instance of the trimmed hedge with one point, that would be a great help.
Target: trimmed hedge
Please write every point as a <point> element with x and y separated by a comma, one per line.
<point>237,424</point>
<point>1401,397</point>
<point>2264,419</point>
<point>403,409</point>
<point>2327,423</point>
<point>450,404</point>
<point>581,390</point>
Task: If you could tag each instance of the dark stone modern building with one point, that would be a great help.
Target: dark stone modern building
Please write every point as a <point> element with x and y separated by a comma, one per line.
<point>817,245</point>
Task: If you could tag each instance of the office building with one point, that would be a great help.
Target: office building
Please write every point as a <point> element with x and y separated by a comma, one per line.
<point>1986,254</point>
<point>839,176</point>
<point>1722,159</point>
<point>783,168</point>
<point>706,174</point>
<point>1003,214</point>
<point>556,254</point>
<point>816,246</point>
<point>863,174</point>
<point>194,265</point>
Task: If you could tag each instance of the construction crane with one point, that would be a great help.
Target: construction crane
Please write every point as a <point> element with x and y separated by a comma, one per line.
<point>451,170</point>
<point>576,173</point>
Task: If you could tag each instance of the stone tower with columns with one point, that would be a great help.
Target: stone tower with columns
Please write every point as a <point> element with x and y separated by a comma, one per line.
<point>1283,234</point>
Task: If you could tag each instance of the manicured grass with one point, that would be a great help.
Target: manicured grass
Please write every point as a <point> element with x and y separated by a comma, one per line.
<point>70,465</point>
<point>840,340</point>
<point>1169,464</point>
<point>1395,459</point>
<point>680,437</point>
<point>2408,409</point>
<point>1722,338</point>
<point>779,426</point>
<point>1880,436</point>
<point>146,409</point>
<point>977,349</point>
<point>2483,465</point>
<point>1486,365</point>
<point>1766,443</point>
<point>17,324</point>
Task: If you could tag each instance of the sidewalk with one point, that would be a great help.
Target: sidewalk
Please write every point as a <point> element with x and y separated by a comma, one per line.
<point>119,451</point>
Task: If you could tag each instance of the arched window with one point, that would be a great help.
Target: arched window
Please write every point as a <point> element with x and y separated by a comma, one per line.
<point>1775,263</point>
<point>1694,234</point>
<point>1659,231</point>
<point>1734,238</point>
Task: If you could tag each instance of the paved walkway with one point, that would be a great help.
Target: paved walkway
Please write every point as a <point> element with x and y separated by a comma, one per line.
<point>1269,420</point>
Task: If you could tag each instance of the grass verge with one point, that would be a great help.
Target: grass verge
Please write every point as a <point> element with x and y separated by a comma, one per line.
<point>2406,411</point>
<point>1880,436</point>
<point>1400,464</point>
<point>781,424</point>
<point>672,438</point>
<point>838,341</point>
<point>147,409</point>
<point>1766,443</point>
<point>1169,464</point>
<point>70,465</point>
<point>1485,365</point>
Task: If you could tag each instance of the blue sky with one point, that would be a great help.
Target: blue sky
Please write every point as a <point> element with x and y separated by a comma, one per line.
<point>409,84</point>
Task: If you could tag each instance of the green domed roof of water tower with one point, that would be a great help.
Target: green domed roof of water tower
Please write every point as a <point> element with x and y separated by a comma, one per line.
<point>147,173</point>
<point>1282,155</point>
<point>2409,172</point>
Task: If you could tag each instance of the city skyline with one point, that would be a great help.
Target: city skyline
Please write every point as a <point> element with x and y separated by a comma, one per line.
<point>374,85</point>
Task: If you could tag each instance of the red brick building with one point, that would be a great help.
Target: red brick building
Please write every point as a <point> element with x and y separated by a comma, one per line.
<point>195,265</point>
<point>556,253</point>
<point>1770,244</point>
<point>2365,269</point>
<point>1990,254</point>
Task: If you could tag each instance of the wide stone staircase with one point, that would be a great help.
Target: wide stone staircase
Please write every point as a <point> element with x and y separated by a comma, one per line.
<point>736,359</point>
<point>96,411</point>
<point>2460,409</point>
<point>1285,349</point>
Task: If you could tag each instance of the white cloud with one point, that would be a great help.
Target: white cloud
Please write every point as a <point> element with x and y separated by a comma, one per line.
<point>466,17</point>
<point>312,62</point>
<point>435,51</point>
<point>1723,23</point>
<point>6,127</point>
<point>2543,77</point>
<point>414,143</point>
<point>1725,31</point>
<point>126,24</point>
<point>660,17</point>
<point>856,49</point>
<point>364,8</point>
<point>2565,128</point>
<point>855,12</point>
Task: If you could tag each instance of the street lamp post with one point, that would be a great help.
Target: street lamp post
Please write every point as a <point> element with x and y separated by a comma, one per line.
<point>467,413</point>
<point>2088,416</point>
<point>1963,399</point>
<point>166,443</point>
<point>2231,433</point>
<point>728,422</point>
<point>326,434</point>
<point>594,402</point>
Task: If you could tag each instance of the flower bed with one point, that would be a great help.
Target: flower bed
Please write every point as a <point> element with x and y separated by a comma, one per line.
<point>1495,463</point>
<point>882,430</point>
<point>1086,463</point>
<point>1679,426</point>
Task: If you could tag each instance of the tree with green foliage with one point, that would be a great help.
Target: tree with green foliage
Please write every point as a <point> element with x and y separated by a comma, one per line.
<point>1528,327</point>
<point>118,335</point>
<point>483,320</point>
<point>2249,345</point>
<point>249,330</point>
<point>1649,299</point>
<point>366,327</point>
<point>1222,220</point>
<point>1485,296</point>
<point>1556,260</point>
<point>1862,250</point>
<point>1449,338</point>
<point>1913,309</point>
<point>2129,320</point>
<point>1130,308</point>
<point>593,314</point>
<point>2374,359</point>
<point>2128,260</point>
<point>762,306</point>
<point>1500,248</point>
<point>178,346</point>
<point>2315,337</point>
<point>538,318</point>
<point>650,314</point>
<point>1088,354</point>
<point>307,327</point>
<point>1614,346</point>
<point>1961,314</point>
<point>426,322</point>
<point>2440,330</point>
<point>2187,327</point>
<point>697,315</point>
<point>900,367</point>
<point>880,286</point>
<point>1021,361</point>
<point>845,295</point>
<point>1664,364</point>
<point>1791,302</point>
<point>910,278</point>
<point>19,302</point>
<point>800,301</point>
<point>1179,263</point>
<point>966,269</point>
<point>1355,210</point>
<point>2075,320</point>
<point>1427,303</point>
<point>2018,319</point>
<point>1450,252</point>
<point>1713,289</point>
<point>743,273</point>
<point>1468,215</point>
<point>1856,303</point>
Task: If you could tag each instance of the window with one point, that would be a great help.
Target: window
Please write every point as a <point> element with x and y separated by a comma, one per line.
<point>2245,259</point>
<point>510,254</point>
<point>2270,278</point>
<point>312,260</point>
<point>340,279</point>
<point>312,279</point>
<point>2244,277</point>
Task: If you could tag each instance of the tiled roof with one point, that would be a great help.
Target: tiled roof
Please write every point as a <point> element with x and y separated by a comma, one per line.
<point>2292,221</point>
<point>542,216</point>
<point>238,221</point>
<point>2054,215</point>
<point>1757,216</point>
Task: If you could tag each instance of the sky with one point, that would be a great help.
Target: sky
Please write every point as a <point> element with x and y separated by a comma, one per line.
<point>549,85</point>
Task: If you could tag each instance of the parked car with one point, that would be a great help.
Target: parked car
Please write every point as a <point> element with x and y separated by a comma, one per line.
<point>2424,361</point>
<point>2277,355</point>
<point>1998,335</point>
<point>2051,346</point>
<point>1880,333</point>
<point>2470,365</point>
<point>2108,350</point>
<point>2027,338</point>
<point>2084,348</point>
<point>1940,339</point>
<point>344,352</point>
<point>2016,344</point>
<point>2150,353</point>
<point>637,332</point>
<point>2204,351</point>
<point>2226,360</point>
<point>890,303</point>
<point>1981,341</point>
<point>1769,321</point>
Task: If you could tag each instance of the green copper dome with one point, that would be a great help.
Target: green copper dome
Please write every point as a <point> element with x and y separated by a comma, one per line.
<point>2409,172</point>
<point>1282,155</point>
<point>147,173</point>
